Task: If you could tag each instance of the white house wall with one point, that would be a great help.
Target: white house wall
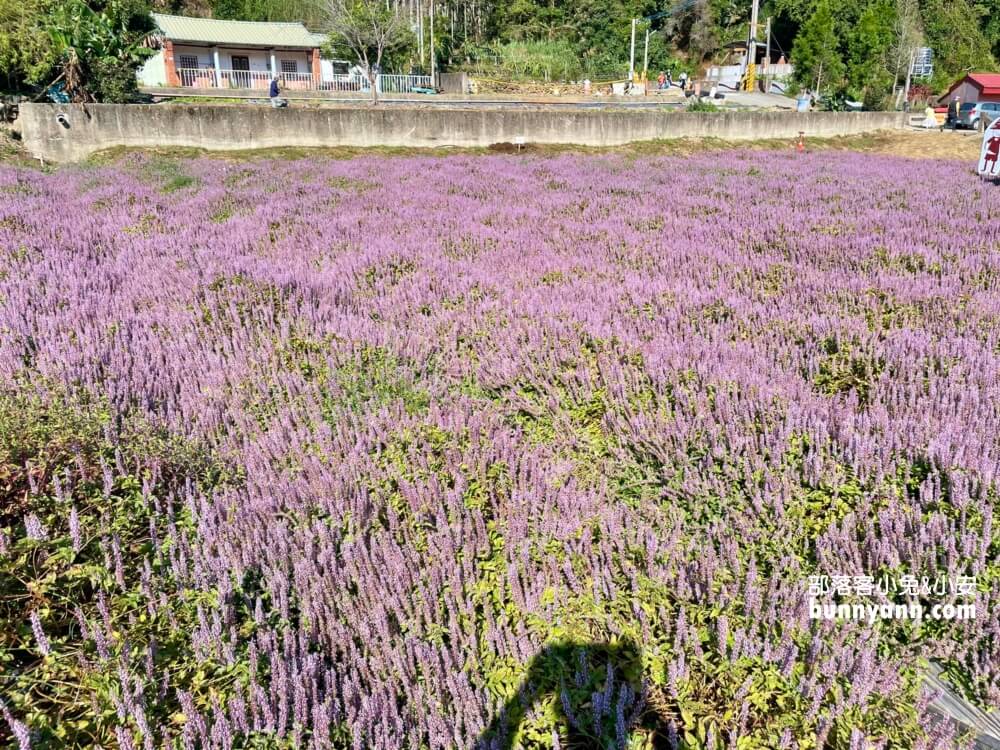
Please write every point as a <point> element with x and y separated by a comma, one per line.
<point>301,59</point>
<point>203,54</point>
<point>260,59</point>
<point>154,71</point>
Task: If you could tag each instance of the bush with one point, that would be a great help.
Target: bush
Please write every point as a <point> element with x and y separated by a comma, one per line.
<point>700,105</point>
<point>113,82</point>
<point>529,60</point>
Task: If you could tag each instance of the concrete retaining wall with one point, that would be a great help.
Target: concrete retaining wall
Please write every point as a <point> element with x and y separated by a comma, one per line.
<point>94,127</point>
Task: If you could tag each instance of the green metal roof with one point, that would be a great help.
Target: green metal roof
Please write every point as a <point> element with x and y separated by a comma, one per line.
<point>235,33</point>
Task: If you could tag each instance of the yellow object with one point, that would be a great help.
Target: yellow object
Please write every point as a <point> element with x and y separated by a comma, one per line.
<point>750,79</point>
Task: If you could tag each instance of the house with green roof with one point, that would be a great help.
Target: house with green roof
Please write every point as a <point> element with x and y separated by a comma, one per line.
<point>211,53</point>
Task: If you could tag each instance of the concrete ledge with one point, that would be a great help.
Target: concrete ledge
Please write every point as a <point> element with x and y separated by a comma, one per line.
<point>83,129</point>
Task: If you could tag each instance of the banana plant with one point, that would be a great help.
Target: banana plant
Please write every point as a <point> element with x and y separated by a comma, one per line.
<point>93,42</point>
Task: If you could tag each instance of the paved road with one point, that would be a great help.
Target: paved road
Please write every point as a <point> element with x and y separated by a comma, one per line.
<point>645,103</point>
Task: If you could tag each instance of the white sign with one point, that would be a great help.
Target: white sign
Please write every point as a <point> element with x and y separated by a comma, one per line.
<point>989,155</point>
<point>923,62</point>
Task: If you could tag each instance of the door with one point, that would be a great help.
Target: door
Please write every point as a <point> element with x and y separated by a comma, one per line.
<point>240,77</point>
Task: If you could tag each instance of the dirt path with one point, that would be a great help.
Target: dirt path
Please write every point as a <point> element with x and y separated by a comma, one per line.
<point>933,144</point>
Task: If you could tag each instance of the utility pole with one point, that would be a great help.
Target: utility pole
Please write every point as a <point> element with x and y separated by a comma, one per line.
<point>433,82</point>
<point>645,60</point>
<point>750,77</point>
<point>420,31</point>
<point>906,89</point>
<point>767,59</point>
<point>631,55</point>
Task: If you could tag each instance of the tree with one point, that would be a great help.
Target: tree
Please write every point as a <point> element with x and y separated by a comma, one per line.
<point>954,32</point>
<point>703,38</point>
<point>267,10</point>
<point>907,35</point>
<point>99,47</point>
<point>695,29</point>
<point>991,25</point>
<point>92,47</point>
<point>369,29</point>
<point>871,64</point>
<point>815,52</point>
<point>26,52</point>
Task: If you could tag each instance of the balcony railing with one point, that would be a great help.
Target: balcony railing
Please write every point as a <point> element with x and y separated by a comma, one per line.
<point>261,79</point>
<point>198,78</point>
<point>245,79</point>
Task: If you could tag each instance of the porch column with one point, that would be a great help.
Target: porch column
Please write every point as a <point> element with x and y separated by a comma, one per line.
<point>168,64</point>
<point>317,71</point>
<point>274,65</point>
<point>218,68</point>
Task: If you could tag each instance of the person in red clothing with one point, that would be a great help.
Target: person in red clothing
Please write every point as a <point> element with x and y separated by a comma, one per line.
<point>991,156</point>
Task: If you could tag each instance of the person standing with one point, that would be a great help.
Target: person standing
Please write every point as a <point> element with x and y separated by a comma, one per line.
<point>954,109</point>
<point>930,121</point>
<point>275,93</point>
<point>661,81</point>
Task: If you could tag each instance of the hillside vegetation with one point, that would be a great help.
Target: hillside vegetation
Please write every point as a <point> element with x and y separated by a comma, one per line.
<point>857,48</point>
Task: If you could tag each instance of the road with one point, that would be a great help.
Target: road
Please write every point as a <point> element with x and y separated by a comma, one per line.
<point>431,101</point>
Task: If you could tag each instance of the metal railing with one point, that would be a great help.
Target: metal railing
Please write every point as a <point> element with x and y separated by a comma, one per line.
<point>198,78</point>
<point>345,82</point>
<point>245,79</point>
<point>261,79</point>
<point>297,81</point>
<point>397,84</point>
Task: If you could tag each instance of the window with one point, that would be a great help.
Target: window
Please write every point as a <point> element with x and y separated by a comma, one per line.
<point>289,66</point>
<point>240,62</point>
<point>188,61</point>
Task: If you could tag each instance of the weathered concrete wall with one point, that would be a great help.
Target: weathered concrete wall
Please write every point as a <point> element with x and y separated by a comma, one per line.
<point>453,83</point>
<point>95,127</point>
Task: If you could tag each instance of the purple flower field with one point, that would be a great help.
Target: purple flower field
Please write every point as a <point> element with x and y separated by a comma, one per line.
<point>496,451</point>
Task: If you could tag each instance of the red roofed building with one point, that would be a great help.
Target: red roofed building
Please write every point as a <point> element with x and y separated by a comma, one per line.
<point>975,87</point>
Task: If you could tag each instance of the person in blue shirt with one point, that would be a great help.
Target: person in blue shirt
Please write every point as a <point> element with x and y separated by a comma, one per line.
<point>274,93</point>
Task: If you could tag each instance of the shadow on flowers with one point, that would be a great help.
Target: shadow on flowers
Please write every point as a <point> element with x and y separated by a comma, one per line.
<point>593,691</point>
